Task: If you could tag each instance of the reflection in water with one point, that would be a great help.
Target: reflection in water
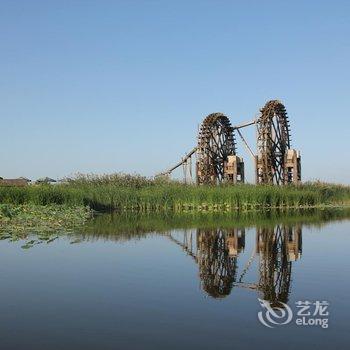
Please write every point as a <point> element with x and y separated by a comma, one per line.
<point>128,225</point>
<point>277,248</point>
<point>133,282</point>
<point>216,252</point>
<point>217,259</point>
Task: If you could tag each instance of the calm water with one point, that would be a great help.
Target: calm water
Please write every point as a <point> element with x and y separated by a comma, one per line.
<point>178,282</point>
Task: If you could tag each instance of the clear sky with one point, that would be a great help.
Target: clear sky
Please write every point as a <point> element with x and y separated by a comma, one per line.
<point>104,86</point>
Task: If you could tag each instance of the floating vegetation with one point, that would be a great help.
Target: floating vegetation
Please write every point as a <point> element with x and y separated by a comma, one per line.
<point>19,222</point>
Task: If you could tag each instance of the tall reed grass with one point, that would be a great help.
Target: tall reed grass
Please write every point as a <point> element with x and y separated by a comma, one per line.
<point>127,192</point>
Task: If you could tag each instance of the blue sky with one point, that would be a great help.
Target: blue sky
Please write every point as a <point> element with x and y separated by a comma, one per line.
<point>105,86</point>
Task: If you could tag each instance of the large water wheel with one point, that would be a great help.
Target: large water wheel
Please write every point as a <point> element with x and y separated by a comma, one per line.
<point>273,144</point>
<point>216,142</point>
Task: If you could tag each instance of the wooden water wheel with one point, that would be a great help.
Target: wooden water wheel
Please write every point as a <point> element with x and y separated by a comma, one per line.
<point>216,142</point>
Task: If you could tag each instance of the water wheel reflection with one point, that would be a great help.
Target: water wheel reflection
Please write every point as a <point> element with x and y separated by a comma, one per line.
<point>216,252</point>
<point>277,248</point>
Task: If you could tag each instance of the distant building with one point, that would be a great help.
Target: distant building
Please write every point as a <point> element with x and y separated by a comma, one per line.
<point>20,182</point>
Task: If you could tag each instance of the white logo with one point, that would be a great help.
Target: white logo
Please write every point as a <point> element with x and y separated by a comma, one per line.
<point>274,316</point>
<point>308,314</point>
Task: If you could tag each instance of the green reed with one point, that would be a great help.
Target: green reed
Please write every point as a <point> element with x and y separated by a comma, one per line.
<point>127,192</point>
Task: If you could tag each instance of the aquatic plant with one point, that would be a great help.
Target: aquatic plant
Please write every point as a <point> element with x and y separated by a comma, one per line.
<point>31,218</point>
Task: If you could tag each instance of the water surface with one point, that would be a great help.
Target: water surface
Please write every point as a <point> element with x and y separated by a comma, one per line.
<point>166,281</point>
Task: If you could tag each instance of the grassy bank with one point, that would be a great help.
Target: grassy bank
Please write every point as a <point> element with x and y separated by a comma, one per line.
<point>123,192</point>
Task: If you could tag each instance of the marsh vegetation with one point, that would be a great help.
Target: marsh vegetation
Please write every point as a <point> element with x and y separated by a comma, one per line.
<point>137,193</point>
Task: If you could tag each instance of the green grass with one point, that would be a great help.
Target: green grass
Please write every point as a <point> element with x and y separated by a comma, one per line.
<point>126,192</point>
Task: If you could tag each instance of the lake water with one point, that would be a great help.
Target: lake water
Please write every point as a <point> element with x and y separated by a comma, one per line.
<point>190,282</point>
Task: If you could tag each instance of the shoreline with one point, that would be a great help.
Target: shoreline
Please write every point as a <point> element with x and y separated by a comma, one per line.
<point>62,207</point>
<point>44,224</point>
<point>57,218</point>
